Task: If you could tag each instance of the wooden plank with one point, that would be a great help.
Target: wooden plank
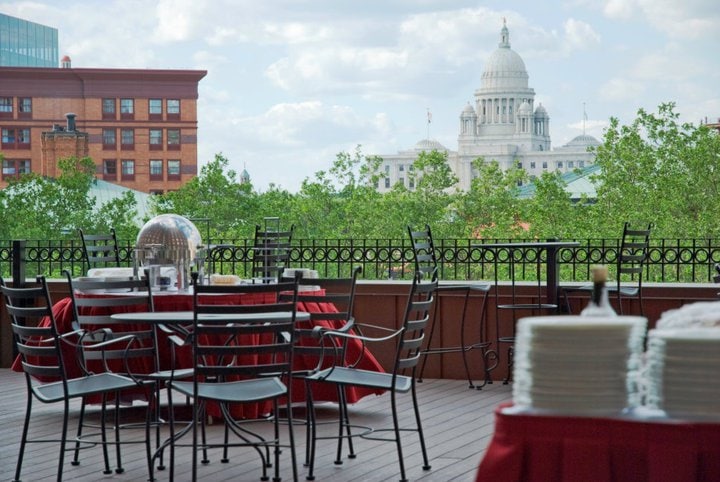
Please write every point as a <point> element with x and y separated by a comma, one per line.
<point>458,425</point>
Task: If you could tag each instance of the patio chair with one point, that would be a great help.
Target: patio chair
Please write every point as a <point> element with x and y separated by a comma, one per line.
<point>424,253</point>
<point>271,251</point>
<point>43,354</point>
<point>330,304</point>
<point>94,300</point>
<point>100,250</point>
<point>629,262</point>
<point>408,340</point>
<point>242,354</point>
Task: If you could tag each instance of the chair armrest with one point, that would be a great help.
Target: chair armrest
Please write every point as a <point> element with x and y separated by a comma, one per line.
<point>482,288</point>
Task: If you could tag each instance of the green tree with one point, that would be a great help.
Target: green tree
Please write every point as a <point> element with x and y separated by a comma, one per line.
<point>36,207</point>
<point>491,208</point>
<point>550,213</point>
<point>217,195</point>
<point>662,171</point>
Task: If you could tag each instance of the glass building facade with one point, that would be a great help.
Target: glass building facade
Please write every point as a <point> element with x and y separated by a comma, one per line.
<point>27,44</point>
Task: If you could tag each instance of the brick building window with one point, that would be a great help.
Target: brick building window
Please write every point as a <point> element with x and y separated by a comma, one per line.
<point>156,169</point>
<point>108,108</point>
<point>6,107</point>
<point>127,172</point>
<point>15,138</point>
<point>23,138</point>
<point>109,139</point>
<point>156,139</point>
<point>25,107</point>
<point>127,108</point>
<point>127,139</point>
<point>173,139</point>
<point>110,169</point>
<point>13,168</point>
<point>173,109</point>
<point>155,109</point>
<point>173,169</point>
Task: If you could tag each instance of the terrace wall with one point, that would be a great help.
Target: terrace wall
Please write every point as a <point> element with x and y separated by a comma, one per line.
<point>383,303</point>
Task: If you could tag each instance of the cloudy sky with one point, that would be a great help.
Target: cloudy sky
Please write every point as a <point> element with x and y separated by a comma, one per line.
<point>291,83</point>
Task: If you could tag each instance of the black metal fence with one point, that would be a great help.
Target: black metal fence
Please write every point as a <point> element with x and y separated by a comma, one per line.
<point>670,260</point>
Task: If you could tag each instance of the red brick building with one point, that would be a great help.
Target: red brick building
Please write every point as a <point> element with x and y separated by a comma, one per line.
<point>139,126</point>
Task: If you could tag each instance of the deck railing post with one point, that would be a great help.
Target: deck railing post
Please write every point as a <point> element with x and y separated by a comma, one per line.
<point>18,263</point>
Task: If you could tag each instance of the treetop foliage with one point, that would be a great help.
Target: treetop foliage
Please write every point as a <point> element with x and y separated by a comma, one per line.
<point>654,170</point>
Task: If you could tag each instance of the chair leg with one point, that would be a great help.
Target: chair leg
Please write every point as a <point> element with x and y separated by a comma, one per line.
<point>568,309</point>
<point>510,363</point>
<point>119,469</point>
<point>348,427</point>
<point>81,421</point>
<point>312,443</point>
<point>23,440</point>
<point>463,347</point>
<point>398,441</point>
<point>421,435</point>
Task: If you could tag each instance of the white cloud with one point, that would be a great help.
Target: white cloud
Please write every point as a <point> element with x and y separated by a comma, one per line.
<point>619,9</point>
<point>579,35</point>
<point>620,89</point>
<point>683,18</point>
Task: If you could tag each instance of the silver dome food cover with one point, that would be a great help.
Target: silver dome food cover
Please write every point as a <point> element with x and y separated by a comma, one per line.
<point>171,240</point>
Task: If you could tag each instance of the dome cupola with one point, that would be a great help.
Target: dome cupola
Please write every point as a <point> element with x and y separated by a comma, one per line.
<point>505,69</point>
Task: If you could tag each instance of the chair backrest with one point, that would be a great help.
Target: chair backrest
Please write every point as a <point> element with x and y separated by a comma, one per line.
<point>94,300</point>
<point>254,347</point>
<point>35,332</point>
<point>423,251</point>
<point>100,250</point>
<point>330,304</point>
<point>417,314</point>
<point>633,253</point>
<point>271,251</point>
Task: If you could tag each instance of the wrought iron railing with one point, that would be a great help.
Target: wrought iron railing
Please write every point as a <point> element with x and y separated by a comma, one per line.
<point>669,260</point>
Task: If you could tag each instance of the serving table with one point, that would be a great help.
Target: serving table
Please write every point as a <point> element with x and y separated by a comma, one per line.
<point>538,448</point>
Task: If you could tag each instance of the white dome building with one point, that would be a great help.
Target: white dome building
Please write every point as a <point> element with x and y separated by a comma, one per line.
<point>502,124</point>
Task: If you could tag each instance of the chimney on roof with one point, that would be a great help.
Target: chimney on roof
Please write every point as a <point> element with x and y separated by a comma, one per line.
<point>70,121</point>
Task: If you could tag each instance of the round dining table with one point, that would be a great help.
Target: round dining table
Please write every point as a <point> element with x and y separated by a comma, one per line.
<point>182,302</point>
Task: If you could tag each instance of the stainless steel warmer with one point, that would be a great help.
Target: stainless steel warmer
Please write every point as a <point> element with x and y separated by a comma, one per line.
<point>171,240</point>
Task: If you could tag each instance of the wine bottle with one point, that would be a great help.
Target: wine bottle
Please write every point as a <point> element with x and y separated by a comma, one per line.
<point>599,301</point>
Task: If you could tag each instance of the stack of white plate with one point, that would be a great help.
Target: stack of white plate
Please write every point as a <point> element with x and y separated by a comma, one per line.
<point>580,365</point>
<point>682,372</point>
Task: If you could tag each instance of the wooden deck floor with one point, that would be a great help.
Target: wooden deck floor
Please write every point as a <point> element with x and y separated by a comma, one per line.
<point>458,424</point>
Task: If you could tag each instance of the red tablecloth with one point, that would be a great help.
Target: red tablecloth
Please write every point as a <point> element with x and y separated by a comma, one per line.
<point>539,448</point>
<point>62,310</point>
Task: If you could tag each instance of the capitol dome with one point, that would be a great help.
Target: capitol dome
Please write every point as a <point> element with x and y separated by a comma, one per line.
<point>504,69</point>
<point>581,143</point>
<point>429,145</point>
<point>524,109</point>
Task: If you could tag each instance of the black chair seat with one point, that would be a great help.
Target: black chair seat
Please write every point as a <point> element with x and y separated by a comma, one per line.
<point>363,378</point>
<point>80,387</point>
<point>245,391</point>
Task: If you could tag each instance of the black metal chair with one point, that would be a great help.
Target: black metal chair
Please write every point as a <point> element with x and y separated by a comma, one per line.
<point>629,263</point>
<point>401,378</point>
<point>340,294</point>
<point>271,251</point>
<point>424,251</point>
<point>94,300</point>
<point>43,352</point>
<point>241,354</point>
<point>100,250</point>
